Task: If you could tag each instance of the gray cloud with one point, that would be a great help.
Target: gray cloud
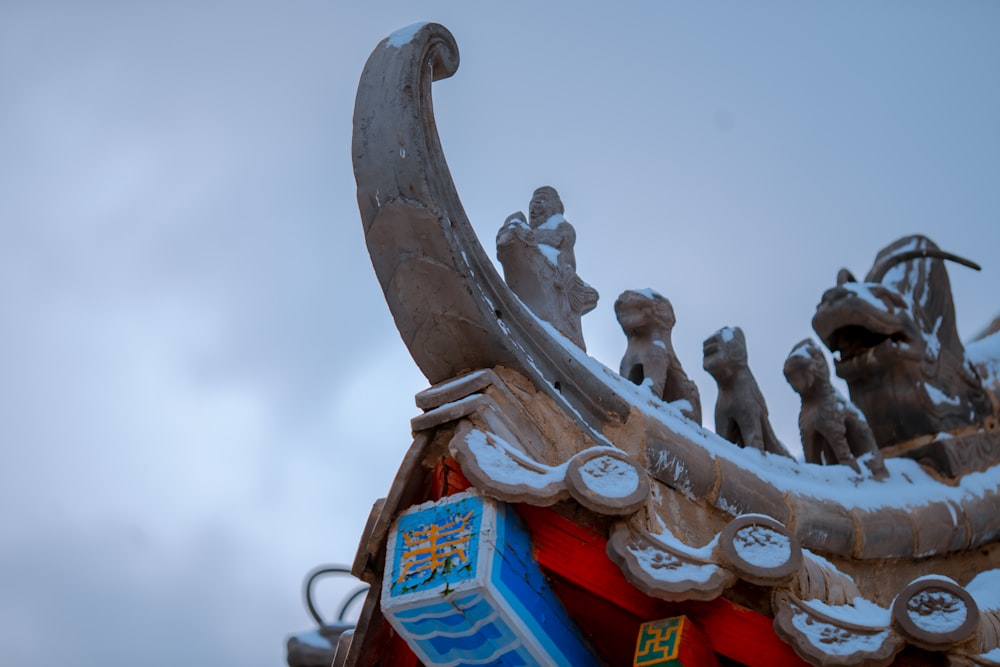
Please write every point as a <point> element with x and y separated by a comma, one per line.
<point>203,390</point>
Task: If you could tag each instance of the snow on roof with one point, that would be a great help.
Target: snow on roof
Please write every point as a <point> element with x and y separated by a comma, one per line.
<point>908,484</point>
<point>405,35</point>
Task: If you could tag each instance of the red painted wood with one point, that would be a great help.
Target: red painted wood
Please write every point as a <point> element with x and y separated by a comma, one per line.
<point>577,555</point>
<point>384,647</point>
<point>611,629</point>
<point>447,479</point>
<point>743,634</point>
<point>607,607</point>
<point>696,648</point>
<point>400,655</point>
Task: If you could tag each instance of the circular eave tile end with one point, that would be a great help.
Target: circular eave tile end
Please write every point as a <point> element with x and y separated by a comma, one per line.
<point>760,550</point>
<point>607,481</point>
<point>935,613</point>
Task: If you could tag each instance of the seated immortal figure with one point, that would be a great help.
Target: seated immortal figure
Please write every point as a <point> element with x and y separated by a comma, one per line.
<point>740,410</point>
<point>647,318</point>
<point>539,264</point>
<point>833,430</point>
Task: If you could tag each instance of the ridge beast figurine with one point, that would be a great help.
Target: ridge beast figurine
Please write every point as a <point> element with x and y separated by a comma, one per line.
<point>899,349</point>
<point>647,318</point>
<point>540,266</point>
<point>833,430</point>
<point>740,410</point>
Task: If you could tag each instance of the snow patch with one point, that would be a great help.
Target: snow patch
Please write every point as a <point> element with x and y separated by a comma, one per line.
<point>648,293</point>
<point>507,465</point>
<point>985,353</point>
<point>800,350</point>
<point>550,252</point>
<point>933,339</point>
<point>609,477</point>
<point>993,655</point>
<point>315,639</point>
<point>985,590</point>
<point>761,546</point>
<point>404,36</point>
<point>936,611</point>
<point>666,566</point>
<point>862,291</point>
<point>938,397</point>
<point>834,640</point>
<point>553,222</point>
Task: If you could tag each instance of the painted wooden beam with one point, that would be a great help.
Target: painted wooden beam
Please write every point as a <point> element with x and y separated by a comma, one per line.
<point>673,642</point>
<point>462,588</point>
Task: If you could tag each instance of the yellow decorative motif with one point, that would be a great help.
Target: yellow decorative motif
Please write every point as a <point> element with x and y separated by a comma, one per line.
<point>430,548</point>
<point>659,642</point>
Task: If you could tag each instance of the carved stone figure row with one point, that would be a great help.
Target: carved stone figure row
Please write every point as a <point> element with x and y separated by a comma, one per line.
<point>833,430</point>
<point>895,335</point>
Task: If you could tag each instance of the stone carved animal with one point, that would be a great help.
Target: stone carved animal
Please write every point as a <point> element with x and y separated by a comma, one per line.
<point>898,346</point>
<point>833,430</point>
<point>740,411</point>
<point>647,318</point>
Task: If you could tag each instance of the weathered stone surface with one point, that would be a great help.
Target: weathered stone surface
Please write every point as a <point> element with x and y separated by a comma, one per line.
<point>540,265</point>
<point>761,550</point>
<point>821,638</point>
<point>959,455</point>
<point>898,344</point>
<point>833,430</point>
<point>738,494</point>
<point>935,613</point>
<point>983,515</point>
<point>941,527</point>
<point>822,525</point>
<point>647,318</point>
<point>680,466</point>
<point>454,311</point>
<point>740,410</point>
<point>455,388</point>
<point>887,533</point>
<point>450,412</point>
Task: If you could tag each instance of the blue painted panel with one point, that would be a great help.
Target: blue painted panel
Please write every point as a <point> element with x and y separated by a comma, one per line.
<point>459,621</point>
<point>522,585</point>
<point>443,608</point>
<point>435,546</point>
<point>475,644</point>
<point>463,589</point>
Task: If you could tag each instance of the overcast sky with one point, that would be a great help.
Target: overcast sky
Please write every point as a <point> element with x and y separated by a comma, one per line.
<point>202,389</point>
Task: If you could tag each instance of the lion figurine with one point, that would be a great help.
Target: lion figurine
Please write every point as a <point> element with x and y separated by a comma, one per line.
<point>740,411</point>
<point>647,318</point>
<point>833,429</point>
